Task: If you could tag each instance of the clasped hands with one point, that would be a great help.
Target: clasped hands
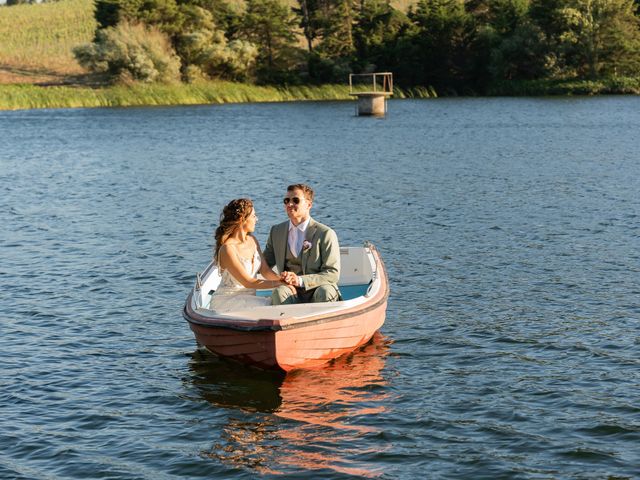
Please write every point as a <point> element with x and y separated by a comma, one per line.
<point>290,279</point>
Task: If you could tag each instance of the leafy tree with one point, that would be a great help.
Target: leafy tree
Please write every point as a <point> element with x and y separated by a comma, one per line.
<point>269,24</point>
<point>520,55</point>
<point>224,15</point>
<point>506,16</point>
<point>434,52</point>
<point>329,27</point>
<point>310,20</point>
<point>547,16</point>
<point>517,46</point>
<point>376,35</point>
<point>602,37</point>
<point>205,51</point>
<point>336,20</point>
<point>163,14</point>
<point>506,44</point>
<point>107,13</point>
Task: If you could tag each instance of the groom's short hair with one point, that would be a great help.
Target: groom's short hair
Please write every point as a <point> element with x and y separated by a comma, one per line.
<point>306,189</point>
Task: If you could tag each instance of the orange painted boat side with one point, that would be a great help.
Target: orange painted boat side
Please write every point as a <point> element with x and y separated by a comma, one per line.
<point>293,343</point>
<point>317,344</point>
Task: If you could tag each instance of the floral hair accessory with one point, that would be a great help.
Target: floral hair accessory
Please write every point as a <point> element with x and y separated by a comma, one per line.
<point>306,245</point>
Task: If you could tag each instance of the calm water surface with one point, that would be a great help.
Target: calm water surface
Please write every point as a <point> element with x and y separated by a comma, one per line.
<point>510,229</point>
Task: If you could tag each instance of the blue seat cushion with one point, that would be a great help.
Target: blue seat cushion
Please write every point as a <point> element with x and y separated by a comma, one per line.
<point>348,291</point>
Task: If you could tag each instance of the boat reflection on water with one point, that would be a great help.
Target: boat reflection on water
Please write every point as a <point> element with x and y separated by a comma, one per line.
<point>225,383</point>
<point>310,420</point>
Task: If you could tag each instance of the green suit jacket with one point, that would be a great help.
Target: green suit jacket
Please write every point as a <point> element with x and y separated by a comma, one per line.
<point>320,262</point>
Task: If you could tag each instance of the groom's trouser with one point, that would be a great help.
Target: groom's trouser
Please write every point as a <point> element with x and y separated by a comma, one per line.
<point>324,293</point>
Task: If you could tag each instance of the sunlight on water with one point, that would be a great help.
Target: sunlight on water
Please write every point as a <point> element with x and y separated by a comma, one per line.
<point>510,230</point>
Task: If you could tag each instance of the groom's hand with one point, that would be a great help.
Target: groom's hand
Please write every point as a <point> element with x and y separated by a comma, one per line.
<point>289,278</point>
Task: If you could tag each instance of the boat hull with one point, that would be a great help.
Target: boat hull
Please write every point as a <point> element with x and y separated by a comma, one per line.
<point>293,349</point>
<point>293,343</point>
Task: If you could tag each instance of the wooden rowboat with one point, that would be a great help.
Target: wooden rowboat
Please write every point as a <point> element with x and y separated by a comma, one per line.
<point>289,337</point>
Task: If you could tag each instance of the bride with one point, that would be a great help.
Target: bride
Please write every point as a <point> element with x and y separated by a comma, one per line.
<point>239,260</point>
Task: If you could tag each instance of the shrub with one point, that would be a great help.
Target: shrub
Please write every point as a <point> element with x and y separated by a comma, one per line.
<point>131,52</point>
<point>204,46</point>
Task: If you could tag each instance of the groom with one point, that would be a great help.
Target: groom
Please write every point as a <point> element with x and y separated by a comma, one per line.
<point>305,252</point>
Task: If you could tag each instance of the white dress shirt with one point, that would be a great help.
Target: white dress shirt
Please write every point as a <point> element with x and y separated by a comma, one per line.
<point>296,239</point>
<point>296,236</point>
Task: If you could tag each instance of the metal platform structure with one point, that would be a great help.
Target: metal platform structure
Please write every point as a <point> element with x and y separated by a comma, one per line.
<point>372,91</point>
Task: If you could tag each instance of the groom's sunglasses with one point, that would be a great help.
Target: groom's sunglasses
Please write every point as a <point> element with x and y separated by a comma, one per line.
<point>288,200</point>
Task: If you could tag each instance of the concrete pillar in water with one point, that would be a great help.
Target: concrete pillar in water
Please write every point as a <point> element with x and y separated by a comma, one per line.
<point>372,104</point>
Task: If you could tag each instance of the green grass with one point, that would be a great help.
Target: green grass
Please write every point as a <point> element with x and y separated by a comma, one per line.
<point>13,97</point>
<point>18,97</point>
<point>41,37</point>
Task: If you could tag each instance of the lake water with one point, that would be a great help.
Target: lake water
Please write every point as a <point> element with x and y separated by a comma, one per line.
<point>511,233</point>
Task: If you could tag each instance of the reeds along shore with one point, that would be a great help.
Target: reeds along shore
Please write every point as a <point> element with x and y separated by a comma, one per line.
<point>14,97</point>
<point>18,97</point>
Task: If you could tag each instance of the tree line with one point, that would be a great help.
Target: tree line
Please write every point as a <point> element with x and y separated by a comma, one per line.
<point>454,46</point>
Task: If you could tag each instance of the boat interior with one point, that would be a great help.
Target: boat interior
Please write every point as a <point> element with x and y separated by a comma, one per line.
<point>358,281</point>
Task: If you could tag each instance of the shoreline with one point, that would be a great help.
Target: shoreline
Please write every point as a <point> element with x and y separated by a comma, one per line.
<point>31,96</point>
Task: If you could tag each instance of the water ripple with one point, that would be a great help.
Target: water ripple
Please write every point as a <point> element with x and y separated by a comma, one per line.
<point>510,231</point>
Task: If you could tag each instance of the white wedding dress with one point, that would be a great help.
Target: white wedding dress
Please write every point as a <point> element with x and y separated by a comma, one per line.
<point>232,295</point>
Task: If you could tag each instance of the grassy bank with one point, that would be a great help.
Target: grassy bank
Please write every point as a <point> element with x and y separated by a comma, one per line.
<point>13,97</point>
<point>16,97</point>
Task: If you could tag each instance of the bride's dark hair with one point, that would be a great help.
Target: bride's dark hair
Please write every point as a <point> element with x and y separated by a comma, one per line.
<point>232,216</point>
